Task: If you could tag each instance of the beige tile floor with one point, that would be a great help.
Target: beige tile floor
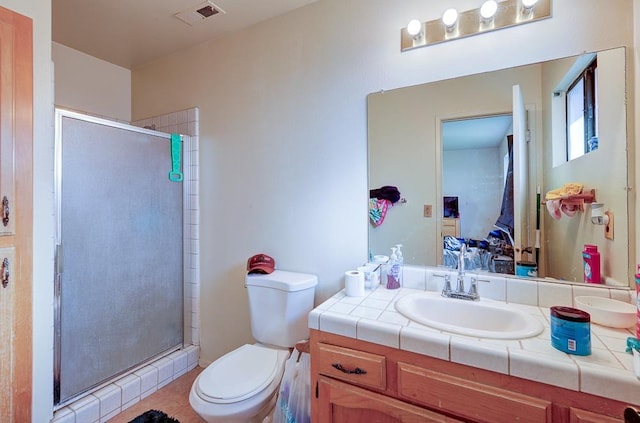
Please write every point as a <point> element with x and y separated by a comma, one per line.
<point>173,399</point>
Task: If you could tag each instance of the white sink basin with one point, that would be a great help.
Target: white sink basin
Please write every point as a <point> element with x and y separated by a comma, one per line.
<point>482,319</point>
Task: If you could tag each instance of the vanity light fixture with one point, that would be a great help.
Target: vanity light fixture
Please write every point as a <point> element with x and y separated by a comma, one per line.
<point>450,22</point>
<point>450,18</point>
<point>487,13</point>
<point>488,10</point>
<point>527,8</point>
<point>415,28</point>
<point>491,15</point>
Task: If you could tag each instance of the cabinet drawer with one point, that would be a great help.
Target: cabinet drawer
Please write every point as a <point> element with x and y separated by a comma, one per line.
<point>471,400</point>
<point>577,415</point>
<point>353,366</point>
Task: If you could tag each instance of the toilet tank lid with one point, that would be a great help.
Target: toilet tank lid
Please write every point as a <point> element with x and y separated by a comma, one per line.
<point>283,280</point>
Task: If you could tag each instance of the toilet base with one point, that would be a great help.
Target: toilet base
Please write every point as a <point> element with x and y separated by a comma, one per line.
<point>267,411</point>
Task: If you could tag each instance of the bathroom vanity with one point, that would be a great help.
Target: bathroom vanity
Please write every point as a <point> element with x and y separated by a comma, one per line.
<point>370,363</point>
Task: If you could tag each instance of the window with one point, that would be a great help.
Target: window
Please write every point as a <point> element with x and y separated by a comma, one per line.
<point>582,113</point>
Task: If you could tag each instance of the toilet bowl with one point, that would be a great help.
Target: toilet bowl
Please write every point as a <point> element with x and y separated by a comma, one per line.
<point>241,386</point>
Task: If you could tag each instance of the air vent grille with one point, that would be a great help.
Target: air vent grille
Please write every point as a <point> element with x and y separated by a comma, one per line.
<point>208,11</point>
<point>199,13</point>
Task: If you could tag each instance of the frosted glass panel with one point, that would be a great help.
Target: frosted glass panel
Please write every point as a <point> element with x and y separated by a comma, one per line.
<point>121,286</point>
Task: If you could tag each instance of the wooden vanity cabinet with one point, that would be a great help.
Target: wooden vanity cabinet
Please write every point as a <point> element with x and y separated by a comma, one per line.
<point>357,381</point>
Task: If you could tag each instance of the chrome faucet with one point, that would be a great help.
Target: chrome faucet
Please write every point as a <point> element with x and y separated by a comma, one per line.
<point>472,294</point>
<point>461,257</point>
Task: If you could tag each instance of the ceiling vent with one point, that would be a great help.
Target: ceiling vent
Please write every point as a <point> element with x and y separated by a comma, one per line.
<point>199,13</point>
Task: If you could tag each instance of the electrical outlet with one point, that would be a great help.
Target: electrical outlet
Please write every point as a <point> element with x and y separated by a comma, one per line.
<point>608,228</point>
<point>427,210</point>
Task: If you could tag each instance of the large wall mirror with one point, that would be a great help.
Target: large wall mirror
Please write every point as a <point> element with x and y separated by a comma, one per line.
<point>451,146</point>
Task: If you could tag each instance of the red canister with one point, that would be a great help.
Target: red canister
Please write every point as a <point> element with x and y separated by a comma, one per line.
<point>591,261</point>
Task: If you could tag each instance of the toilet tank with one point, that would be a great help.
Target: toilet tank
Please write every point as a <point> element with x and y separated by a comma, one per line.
<point>279,305</point>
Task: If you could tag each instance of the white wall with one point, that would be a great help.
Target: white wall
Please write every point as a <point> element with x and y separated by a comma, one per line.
<point>283,127</point>
<point>40,12</point>
<point>475,176</point>
<point>84,83</point>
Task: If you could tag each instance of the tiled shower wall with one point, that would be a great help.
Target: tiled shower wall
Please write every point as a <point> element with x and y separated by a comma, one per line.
<point>112,399</point>
<point>187,122</point>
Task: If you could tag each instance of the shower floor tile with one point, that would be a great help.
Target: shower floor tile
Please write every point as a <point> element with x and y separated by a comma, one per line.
<point>173,399</point>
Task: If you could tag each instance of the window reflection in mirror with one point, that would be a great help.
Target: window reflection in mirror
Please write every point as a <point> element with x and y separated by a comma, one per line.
<point>581,109</point>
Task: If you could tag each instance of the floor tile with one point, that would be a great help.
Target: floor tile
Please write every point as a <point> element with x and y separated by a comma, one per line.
<point>172,399</point>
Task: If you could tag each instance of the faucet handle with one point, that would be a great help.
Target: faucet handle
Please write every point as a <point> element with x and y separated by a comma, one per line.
<point>473,288</point>
<point>446,290</point>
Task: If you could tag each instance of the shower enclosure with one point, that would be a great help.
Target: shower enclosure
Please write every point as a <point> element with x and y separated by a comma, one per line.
<point>119,251</point>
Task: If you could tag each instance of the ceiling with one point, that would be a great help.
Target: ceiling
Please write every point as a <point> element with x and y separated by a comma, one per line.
<point>476,133</point>
<point>130,33</point>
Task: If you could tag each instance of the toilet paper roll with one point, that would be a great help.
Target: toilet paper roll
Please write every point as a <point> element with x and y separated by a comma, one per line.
<point>354,283</point>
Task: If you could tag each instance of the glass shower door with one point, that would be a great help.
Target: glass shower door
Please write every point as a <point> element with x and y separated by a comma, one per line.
<point>119,285</point>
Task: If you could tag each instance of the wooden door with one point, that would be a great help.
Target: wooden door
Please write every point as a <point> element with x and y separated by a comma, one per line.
<point>343,403</point>
<point>520,174</point>
<point>16,215</point>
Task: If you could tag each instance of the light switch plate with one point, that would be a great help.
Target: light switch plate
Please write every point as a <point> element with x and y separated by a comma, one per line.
<point>427,210</point>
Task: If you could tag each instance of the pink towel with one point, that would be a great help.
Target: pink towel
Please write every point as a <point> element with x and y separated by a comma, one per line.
<point>378,210</point>
<point>553,207</point>
<point>568,207</point>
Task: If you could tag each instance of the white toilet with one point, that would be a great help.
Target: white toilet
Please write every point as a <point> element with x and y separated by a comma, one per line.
<point>242,386</point>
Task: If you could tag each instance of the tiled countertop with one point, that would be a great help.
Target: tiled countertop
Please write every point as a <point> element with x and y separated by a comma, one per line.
<point>607,372</point>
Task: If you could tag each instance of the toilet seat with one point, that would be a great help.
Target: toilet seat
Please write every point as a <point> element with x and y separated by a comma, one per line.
<point>239,375</point>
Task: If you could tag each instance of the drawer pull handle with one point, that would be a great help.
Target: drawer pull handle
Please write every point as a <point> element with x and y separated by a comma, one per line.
<point>5,211</point>
<point>5,272</point>
<point>356,371</point>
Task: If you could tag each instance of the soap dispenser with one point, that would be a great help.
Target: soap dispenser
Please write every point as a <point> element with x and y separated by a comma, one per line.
<point>399,253</point>
<point>393,270</point>
<point>400,262</point>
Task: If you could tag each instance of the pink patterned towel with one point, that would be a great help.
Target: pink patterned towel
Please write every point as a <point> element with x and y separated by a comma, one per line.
<point>378,210</point>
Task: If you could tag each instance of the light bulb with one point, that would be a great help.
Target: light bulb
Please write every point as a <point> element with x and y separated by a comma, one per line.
<point>449,17</point>
<point>489,8</point>
<point>414,27</point>
<point>527,4</point>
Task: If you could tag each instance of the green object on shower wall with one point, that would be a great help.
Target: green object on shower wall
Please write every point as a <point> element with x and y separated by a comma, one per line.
<point>175,175</point>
